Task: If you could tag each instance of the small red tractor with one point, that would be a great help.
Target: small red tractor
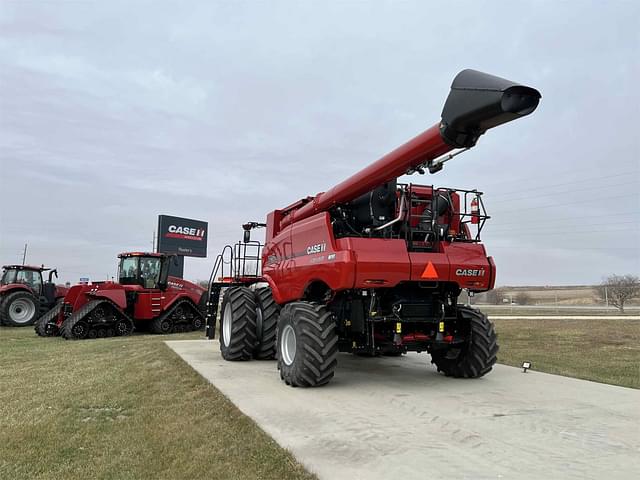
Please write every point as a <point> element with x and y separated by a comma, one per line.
<point>24,296</point>
<point>374,266</point>
<point>145,295</point>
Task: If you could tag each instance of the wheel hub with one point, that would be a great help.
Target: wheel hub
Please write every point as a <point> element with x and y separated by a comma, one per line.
<point>22,310</point>
<point>288,345</point>
<point>226,325</point>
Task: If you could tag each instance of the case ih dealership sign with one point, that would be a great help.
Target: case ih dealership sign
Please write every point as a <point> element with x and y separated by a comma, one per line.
<point>183,236</point>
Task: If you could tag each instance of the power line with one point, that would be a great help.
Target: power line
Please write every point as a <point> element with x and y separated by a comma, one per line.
<point>492,247</point>
<point>557,220</point>
<point>569,234</point>
<point>534,197</point>
<point>567,203</point>
<point>588,179</point>
<point>513,229</point>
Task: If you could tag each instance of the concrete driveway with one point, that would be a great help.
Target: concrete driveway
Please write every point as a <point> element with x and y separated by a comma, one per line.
<point>385,418</point>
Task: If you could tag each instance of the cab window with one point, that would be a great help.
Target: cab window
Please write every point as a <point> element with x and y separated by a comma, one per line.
<point>128,274</point>
<point>29,278</point>
<point>9,276</point>
<point>150,272</point>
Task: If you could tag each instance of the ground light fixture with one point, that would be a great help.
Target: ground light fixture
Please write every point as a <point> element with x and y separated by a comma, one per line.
<point>526,366</point>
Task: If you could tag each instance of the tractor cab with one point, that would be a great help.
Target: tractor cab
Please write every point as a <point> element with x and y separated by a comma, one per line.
<point>24,295</point>
<point>30,277</point>
<point>148,270</point>
<point>25,275</point>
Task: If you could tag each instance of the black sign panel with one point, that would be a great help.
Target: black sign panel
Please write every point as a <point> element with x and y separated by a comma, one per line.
<point>182,236</point>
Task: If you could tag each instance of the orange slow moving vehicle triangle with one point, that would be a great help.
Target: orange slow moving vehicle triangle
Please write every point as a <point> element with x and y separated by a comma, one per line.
<point>430,271</point>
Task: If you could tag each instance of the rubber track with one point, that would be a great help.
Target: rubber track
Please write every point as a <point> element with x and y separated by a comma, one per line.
<point>157,322</point>
<point>243,329</point>
<point>43,321</point>
<point>482,351</point>
<point>266,348</point>
<point>82,312</point>
<point>317,345</point>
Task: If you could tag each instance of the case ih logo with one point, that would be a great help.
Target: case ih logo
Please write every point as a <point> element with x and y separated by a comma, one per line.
<point>182,236</point>
<point>185,233</point>
<point>465,272</point>
<point>317,248</point>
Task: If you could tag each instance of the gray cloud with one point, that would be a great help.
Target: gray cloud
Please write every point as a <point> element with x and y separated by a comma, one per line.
<point>114,112</point>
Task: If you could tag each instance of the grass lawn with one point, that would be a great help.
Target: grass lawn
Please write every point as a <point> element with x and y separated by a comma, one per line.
<point>129,408</point>
<point>605,350</point>
<point>122,408</point>
<point>553,311</point>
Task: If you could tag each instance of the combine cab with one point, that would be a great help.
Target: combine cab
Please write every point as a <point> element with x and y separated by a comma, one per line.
<point>24,297</point>
<point>145,296</point>
<point>375,267</point>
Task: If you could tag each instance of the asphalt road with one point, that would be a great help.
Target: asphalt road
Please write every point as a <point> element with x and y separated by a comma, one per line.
<point>383,418</point>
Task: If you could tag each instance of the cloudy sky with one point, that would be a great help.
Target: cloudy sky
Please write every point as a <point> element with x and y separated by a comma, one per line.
<point>113,112</point>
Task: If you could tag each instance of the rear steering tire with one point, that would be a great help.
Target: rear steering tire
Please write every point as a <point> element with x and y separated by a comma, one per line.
<point>307,344</point>
<point>478,356</point>
<point>238,336</point>
<point>19,309</point>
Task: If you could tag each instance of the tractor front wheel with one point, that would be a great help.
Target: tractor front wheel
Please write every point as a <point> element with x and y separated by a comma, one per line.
<point>307,344</point>
<point>477,357</point>
<point>238,337</point>
<point>19,309</point>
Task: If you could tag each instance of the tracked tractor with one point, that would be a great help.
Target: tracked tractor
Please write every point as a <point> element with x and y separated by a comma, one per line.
<point>144,297</point>
<point>24,296</point>
<point>374,266</point>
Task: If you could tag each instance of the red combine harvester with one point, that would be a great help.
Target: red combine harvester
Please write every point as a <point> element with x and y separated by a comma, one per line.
<point>24,296</point>
<point>373,266</point>
<point>145,295</point>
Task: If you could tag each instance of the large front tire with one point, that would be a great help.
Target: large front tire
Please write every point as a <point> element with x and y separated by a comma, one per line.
<point>307,344</point>
<point>19,309</point>
<point>238,337</point>
<point>478,356</point>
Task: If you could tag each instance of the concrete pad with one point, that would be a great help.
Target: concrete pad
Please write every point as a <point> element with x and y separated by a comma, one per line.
<point>383,418</point>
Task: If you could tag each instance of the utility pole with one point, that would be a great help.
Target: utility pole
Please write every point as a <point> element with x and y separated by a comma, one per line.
<point>153,244</point>
<point>606,296</point>
<point>24,254</point>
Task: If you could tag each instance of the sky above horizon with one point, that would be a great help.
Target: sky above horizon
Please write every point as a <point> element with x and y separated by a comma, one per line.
<point>114,112</point>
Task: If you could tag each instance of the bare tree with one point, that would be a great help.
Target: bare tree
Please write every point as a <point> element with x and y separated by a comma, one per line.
<point>618,289</point>
<point>523,298</point>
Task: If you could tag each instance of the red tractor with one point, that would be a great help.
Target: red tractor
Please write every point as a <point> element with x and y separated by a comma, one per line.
<point>373,266</point>
<point>24,296</point>
<point>145,295</point>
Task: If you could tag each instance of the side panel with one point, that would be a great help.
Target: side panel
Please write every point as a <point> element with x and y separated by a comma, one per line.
<point>470,267</point>
<point>276,265</point>
<point>113,292</point>
<point>379,262</point>
<point>304,253</point>
<point>148,305</point>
